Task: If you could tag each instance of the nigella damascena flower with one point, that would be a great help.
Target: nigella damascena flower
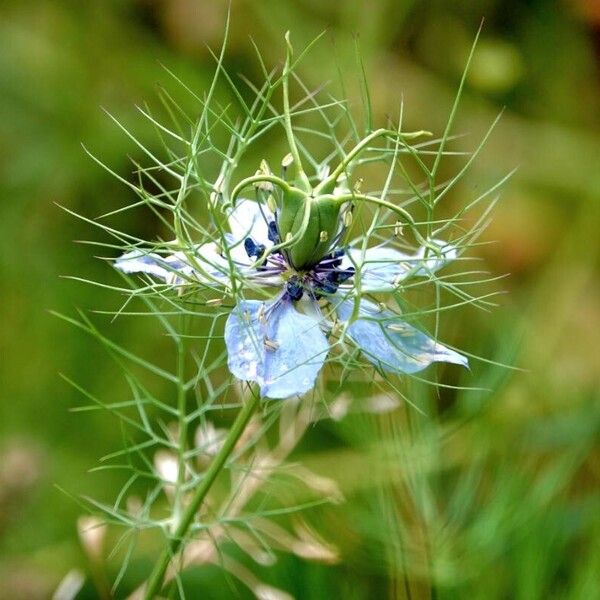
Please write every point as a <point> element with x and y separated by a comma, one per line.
<point>281,344</point>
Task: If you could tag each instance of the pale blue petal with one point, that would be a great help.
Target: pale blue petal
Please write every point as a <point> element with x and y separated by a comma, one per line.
<point>382,268</point>
<point>302,348</point>
<point>250,219</point>
<point>212,268</point>
<point>244,338</point>
<point>391,343</point>
<point>447,252</point>
<point>165,268</point>
<point>275,346</point>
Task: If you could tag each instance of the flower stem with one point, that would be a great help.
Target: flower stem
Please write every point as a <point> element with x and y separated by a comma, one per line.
<point>396,135</point>
<point>280,183</point>
<point>155,581</point>
<point>287,121</point>
<point>390,206</point>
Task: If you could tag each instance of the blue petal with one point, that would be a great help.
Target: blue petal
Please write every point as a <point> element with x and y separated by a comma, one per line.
<point>244,338</point>
<point>382,267</point>
<point>165,268</point>
<point>391,343</point>
<point>302,348</point>
<point>447,252</point>
<point>249,218</point>
<point>275,346</point>
<point>175,268</point>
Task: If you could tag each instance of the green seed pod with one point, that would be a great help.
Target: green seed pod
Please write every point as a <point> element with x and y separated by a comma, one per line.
<point>316,239</point>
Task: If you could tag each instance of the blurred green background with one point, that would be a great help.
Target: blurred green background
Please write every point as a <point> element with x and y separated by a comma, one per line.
<point>520,494</point>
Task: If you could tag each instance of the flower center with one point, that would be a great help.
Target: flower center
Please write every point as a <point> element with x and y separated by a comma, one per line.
<point>323,279</point>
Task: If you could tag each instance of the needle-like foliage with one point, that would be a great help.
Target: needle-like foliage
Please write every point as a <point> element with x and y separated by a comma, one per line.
<point>196,482</point>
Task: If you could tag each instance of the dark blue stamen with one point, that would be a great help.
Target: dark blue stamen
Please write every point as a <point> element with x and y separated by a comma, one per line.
<point>328,287</point>
<point>253,249</point>
<point>335,258</point>
<point>340,275</point>
<point>273,233</point>
<point>327,283</point>
<point>294,289</point>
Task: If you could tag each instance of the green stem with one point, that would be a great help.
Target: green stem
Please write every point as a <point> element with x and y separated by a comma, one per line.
<point>359,148</point>
<point>183,424</point>
<point>280,183</point>
<point>396,209</point>
<point>288,119</point>
<point>156,579</point>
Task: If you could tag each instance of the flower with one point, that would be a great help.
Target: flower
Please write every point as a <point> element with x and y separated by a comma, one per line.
<point>281,344</point>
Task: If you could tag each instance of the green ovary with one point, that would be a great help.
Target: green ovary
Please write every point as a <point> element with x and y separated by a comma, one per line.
<point>316,240</point>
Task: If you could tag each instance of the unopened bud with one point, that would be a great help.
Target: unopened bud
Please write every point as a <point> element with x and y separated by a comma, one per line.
<point>323,236</point>
<point>348,218</point>
<point>272,204</point>
<point>288,159</point>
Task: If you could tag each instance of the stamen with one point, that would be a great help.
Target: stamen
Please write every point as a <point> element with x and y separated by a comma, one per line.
<point>294,289</point>
<point>272,204</point>
<point>270,345</point>
<point>250,246</point>
<point>273,232</point>
<point>253,249</point>
<point>332,260</point>
<point>328,287</point>
<point>339,276</point>
<point>400,328</point>
<point>261,315</point>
